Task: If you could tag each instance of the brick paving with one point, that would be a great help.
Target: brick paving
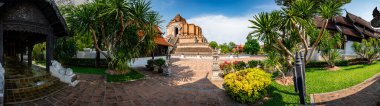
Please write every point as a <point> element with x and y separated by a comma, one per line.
<point>189,84</point>
<point>366,93</point>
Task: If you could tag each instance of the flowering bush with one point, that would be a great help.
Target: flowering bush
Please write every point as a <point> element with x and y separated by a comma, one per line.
<point>226,67</point>
<point>247,86</point>
<point>239,65</point>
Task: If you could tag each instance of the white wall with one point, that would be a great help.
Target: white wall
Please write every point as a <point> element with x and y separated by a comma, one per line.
<point>138,62</point>
<point>348,48</point>
<point>142,61</point>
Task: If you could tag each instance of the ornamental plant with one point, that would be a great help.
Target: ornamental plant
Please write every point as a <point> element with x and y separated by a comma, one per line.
<point>247,86</point>
<point>239,65</point>
<point>226,67</point>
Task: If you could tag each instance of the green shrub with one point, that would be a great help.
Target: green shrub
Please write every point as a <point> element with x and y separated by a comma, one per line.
<point>338,63</point>
<point>255,63</point>
<point>239,65</point>
<point>64,49</point>
<point>226,67</point>
<point>159,62</point>
<point>150,64</point>
<point>38,52</point>
<point>247,86</point>
<point>85,62</point>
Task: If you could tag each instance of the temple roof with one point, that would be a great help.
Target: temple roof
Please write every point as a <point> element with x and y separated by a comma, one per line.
<point>48,9</point>
<point>350,25</point>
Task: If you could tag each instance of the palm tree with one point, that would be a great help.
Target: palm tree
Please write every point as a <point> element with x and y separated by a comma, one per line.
<point>289,30</point>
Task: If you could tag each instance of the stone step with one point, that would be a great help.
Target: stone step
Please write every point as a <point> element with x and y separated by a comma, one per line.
<point>20,95</point>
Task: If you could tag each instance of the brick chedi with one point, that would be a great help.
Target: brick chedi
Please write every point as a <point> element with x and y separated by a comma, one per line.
<point>186,38</point>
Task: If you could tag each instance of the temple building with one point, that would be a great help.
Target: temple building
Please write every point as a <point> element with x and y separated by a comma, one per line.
<point>352,29</point>
<point>186,38</point>
<point>24,23</point>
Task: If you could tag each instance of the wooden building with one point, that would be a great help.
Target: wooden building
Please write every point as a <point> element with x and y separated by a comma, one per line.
<point>24,23</point>
<point>352,29</point>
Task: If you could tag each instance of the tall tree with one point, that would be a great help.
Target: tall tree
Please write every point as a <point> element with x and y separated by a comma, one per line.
<point>252,46</point>
<point>213,45</point>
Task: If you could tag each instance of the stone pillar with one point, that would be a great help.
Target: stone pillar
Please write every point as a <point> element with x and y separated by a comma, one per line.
<point>30,54</point>
<point>215,66</point>
<point>49,49</point>
<point>1,43</point>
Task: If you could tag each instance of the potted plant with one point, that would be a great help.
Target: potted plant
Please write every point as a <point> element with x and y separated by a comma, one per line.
<point>159,63</point>
<point>150,65</point>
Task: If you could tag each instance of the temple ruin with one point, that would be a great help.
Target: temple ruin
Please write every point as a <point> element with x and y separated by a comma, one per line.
<point>187,38</point>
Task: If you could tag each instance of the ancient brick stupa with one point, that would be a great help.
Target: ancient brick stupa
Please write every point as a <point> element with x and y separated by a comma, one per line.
<point>186,38</point>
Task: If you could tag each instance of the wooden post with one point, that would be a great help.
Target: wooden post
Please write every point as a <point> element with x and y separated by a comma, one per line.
<point>49,49</point>
<point>1,43</point>
<point>30,52</point>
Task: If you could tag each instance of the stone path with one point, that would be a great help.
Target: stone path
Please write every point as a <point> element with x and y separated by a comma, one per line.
<point>363,94</point>
<point>189,85</point>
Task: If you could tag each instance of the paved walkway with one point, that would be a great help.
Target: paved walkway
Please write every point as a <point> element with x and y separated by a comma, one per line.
<point>366,93</point>
<point>189,85</point>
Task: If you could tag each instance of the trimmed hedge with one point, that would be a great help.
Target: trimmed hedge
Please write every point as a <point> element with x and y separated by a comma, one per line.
<point>339,63</point>
<point>85,62</point>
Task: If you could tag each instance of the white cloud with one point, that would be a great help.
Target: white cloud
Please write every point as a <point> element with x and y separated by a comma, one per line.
<point>223,29</point>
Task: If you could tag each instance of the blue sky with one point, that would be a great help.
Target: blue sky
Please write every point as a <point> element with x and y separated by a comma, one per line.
<point>227,20</point>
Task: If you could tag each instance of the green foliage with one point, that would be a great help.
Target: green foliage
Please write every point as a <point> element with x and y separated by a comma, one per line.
<point>288,30</point>
<point>273,61</point>
<point>89,70</point>
<point>329,48</point>
<point>225,48</point>
<point>252,46</point>
<point>255,64</point>
<point>159,62</point>
<point>213,45</point>
<point>239,65</point>
<point>64,49</point>
<point>125,29</point>
<point>231,45</point>
<point>86,62</point>
<point>38,52</point>
<point>150,64</point>
<point>368,49</point>
<point>226,67</point>
<point>247,86</point>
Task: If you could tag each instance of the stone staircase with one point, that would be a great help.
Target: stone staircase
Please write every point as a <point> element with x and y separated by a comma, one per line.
<point>29,89</point>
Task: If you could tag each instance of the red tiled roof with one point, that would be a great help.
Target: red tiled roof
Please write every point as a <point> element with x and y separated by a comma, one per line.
<point>159,40</point>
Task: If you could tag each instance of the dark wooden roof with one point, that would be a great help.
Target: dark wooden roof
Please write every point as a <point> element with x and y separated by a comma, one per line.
<point>350,25</point>
<point>47,8</point>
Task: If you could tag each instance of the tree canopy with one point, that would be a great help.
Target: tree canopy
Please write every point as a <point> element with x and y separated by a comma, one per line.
<point>252,46</point>
<point>123,28</point>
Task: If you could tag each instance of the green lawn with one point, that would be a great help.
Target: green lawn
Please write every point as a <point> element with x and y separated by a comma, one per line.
<point>89,70</point>
<point>319,80</point>
<point>133,75</point>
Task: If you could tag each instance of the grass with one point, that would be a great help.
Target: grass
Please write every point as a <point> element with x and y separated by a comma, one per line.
<point>133,75</point>
<point>319,80</point>
<point>89,70</point>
